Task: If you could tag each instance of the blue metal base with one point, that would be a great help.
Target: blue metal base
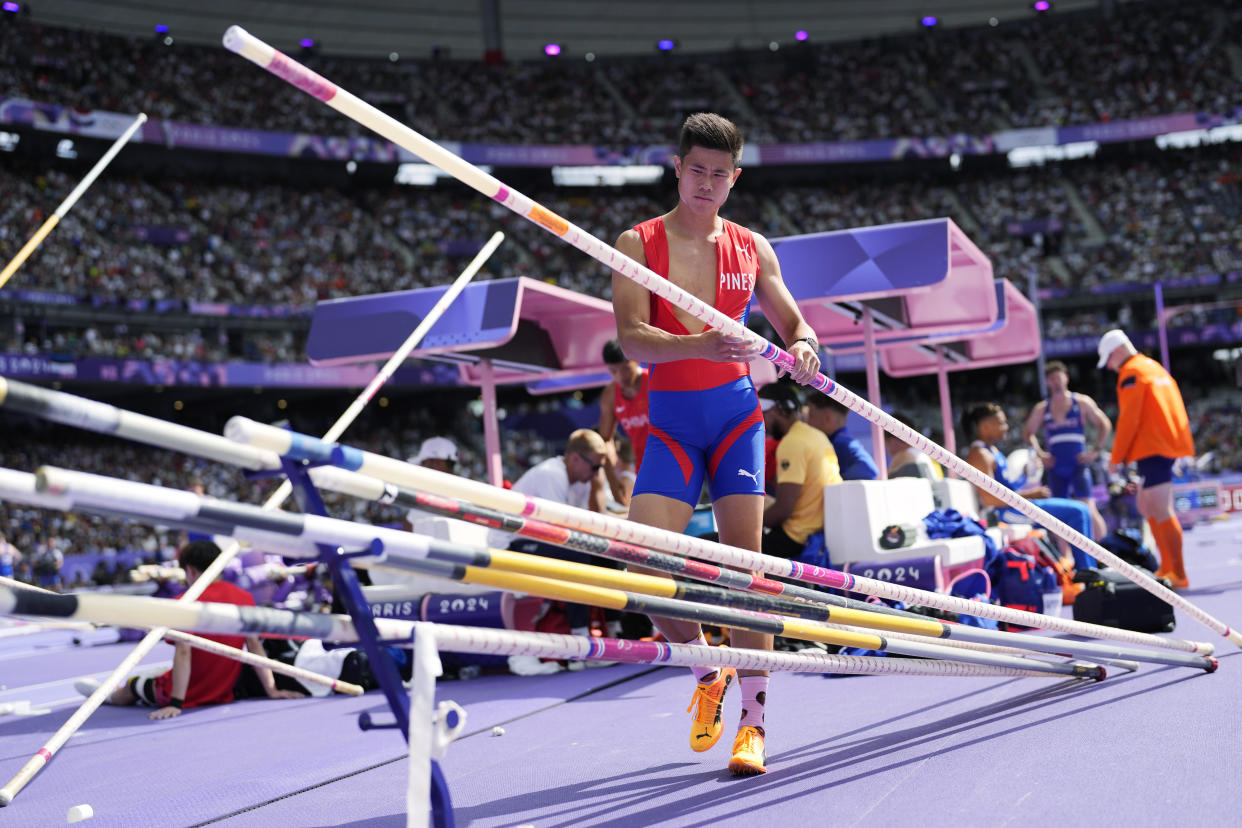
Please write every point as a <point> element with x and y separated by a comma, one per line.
<point>346,586</point>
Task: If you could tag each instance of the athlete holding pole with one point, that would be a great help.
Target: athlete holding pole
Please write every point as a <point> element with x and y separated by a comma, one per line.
<point>705,421</point>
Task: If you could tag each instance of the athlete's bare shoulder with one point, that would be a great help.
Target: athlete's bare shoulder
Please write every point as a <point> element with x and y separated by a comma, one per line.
<point>631,244</point>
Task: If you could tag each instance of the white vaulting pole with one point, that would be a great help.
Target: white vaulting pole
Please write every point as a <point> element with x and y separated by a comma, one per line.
<point>238,40</point>
<point>233,619</point>
<point>399,356</point>
<point>70,200</point>
<point>247,657</point>
<point>230,550</point>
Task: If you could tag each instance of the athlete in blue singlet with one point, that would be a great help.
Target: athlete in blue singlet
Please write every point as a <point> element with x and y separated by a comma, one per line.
<point>988,425</point>
<point>1063,417</point>
<point>705,422</point>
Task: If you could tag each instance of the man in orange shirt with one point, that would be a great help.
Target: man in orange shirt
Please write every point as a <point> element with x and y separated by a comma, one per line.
<point>1152,432</point>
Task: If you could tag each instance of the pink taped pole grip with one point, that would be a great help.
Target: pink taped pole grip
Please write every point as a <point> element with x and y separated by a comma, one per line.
<point>312,83</point>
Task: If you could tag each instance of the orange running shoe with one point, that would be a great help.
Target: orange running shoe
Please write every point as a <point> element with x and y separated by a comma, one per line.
<point>1176,582</point>
<point>706,728</point>
<point>749,754</point>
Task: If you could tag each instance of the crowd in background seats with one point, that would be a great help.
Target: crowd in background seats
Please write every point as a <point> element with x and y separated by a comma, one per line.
<point>1146,59</point>
<point>1137,220</point>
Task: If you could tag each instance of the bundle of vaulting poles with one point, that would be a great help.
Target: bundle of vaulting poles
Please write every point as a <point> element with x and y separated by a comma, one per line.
<point>729,597</point>
<point>721,596</point>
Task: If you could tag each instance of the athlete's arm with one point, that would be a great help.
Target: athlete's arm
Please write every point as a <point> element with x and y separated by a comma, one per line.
<point>642,341</point>
<point>982,460</point>
<point>1097,418</point>
<point>180,682</point>
<point>620,492</point>
<point>599,492</point>
<point>1030,429</point>
<point>254,645</point>
<point>782,311</point>
<point>780,509</point>
<point>1030,432</point>
<point>607,415</point>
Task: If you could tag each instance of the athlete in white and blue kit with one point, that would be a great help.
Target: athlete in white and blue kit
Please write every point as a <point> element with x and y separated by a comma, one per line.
<point>1067,460</point>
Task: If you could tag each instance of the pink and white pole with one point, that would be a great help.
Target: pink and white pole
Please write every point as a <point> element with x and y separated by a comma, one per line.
<point>397,472</point>
<point>232,619</point>
<point>238,40</point>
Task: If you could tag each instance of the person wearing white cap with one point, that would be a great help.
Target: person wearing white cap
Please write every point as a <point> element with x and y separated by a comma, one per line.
<point>437,453</point>
<point>1153,430</point>
<point>574,478</point>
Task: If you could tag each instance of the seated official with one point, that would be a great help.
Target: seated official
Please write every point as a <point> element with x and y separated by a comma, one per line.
<point>805,463</point>
<point>829,416</point>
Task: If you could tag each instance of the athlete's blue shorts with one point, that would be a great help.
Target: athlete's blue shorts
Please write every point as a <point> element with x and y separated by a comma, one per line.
<point>715,433</point>
<point>1155,470</point>
<point>1070,482</point>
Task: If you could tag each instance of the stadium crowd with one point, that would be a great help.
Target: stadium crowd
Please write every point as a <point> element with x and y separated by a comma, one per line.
<point>1145,59</point>
<point>1076,225</point>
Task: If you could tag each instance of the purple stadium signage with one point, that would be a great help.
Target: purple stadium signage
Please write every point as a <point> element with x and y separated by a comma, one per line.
<point>100,124</point>
<point>41,297</point>
<point>174,373</point>
<point>1114,131</point>
<point>1027,227</point>
<point>63,119</point>
<point>49,297</point>
<point>161,234</point>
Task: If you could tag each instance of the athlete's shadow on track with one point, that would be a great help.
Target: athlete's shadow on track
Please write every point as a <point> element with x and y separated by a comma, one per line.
<point>669,789</point>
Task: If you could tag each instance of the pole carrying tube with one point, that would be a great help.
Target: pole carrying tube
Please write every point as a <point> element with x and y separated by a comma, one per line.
<point>238,40</point>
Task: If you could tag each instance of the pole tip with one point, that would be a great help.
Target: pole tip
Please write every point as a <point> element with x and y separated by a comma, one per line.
<point>1213,664</point>
<point>234,38</point>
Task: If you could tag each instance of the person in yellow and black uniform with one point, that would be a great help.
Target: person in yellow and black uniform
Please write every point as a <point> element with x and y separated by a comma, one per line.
<point>805,463</point>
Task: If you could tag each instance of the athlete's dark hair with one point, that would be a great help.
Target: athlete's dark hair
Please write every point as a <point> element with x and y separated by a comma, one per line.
<point>977,414</point>
<point>613,355</point>
<point>826,403</point>
<point>1054,366</point>
<point>198,554</point>
<point>710,131</point>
